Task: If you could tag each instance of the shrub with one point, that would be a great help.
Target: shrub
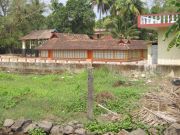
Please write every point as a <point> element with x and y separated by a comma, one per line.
<point>36,131</point>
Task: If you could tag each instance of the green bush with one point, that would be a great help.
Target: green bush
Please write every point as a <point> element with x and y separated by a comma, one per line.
<point>127,123</point>
<point>36,131</point>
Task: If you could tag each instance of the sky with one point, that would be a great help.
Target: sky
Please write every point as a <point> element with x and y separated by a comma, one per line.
<point>149,2</point>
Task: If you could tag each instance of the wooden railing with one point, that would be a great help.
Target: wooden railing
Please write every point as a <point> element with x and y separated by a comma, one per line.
<point>158,19</point>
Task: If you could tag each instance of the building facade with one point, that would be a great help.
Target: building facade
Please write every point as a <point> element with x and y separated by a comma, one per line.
<point>161,23</point>
<point>34,39</point>
<point>76,48</point>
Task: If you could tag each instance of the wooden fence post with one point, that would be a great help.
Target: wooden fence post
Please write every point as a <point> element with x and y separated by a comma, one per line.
<point>90,94</point>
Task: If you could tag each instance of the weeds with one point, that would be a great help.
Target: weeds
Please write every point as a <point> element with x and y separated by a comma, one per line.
<point>62,97</point>
<point>36,131</point>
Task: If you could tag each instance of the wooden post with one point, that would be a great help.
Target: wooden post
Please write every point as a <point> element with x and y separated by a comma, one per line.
<point>90,93</point>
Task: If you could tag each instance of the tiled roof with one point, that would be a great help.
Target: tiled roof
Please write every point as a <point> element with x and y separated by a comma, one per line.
<point>58,44</point>
<point>38,34</point>
<point>47,34</point>
<point>69,36</point>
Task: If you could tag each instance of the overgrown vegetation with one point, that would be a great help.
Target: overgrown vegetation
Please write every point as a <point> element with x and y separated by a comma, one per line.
<point>127,123</point>
<point>63,97</point>
<point>36,131</point>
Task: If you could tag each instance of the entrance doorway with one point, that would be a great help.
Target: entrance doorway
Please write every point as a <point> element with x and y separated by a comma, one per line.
<point>50,54</point>
<point>89,55</point>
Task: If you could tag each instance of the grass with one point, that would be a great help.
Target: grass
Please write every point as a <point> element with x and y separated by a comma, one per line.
<point>62,97</point>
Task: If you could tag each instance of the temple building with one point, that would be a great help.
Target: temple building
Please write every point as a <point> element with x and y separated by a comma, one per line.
<point>81,47</point>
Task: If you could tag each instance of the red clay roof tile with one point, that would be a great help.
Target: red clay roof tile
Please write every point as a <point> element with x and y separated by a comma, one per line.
<point>59,44</point>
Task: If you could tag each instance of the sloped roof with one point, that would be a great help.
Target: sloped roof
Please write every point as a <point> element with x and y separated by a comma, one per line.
<point>58,44</point>
<point>69,36</point>
<point>47,34</point>
<point>38,34</point>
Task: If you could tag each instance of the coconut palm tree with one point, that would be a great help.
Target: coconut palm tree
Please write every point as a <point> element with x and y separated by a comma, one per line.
<point>102,6</point>
<point>122,7</point>
<point>121,29</point>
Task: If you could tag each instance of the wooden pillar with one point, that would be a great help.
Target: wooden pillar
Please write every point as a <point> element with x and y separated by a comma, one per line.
<point>30,46</point>
<point>24,48</point>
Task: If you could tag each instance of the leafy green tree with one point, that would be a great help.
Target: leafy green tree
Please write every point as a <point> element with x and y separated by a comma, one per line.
<point>4,5</point>
<point>59,17</point>
<point>156,9</point>
<point>80,16</point>
<point>76,17</point>
<point>100,24</point>
<point>163,6</point>
<point>21,18</point>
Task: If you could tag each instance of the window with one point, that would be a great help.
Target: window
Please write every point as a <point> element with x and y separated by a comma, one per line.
<point>98,54</point>
<point>135,54</point>
<point>69,54</point>
<point>44,53</point>
<point>108,54</point>
<point>120,54</point>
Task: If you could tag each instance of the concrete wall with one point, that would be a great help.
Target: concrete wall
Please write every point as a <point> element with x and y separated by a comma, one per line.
<point>149,54</point>
<point>46,68</point>
<point>165,57</point>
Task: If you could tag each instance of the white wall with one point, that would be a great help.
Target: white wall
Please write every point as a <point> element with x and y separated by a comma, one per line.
<point>166,57</point>
<point>149,54</point>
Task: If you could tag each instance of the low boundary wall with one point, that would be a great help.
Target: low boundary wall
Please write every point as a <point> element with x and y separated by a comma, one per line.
<point>45,68</point>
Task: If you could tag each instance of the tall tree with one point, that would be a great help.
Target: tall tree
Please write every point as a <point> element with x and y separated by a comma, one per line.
<point>163,6</point>
<point>102,6</point>
<point>121,29</point>
<point>76,17</point>
<point>124,7</point>
<point>59,17</point>
<point>128,10</point>
<point>4,6</point>
<point>21,18</point>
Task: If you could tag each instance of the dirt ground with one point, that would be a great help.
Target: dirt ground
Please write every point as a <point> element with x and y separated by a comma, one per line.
<point>161,105</point>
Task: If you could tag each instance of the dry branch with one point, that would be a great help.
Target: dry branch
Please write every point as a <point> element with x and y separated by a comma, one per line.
<point>109,111</point>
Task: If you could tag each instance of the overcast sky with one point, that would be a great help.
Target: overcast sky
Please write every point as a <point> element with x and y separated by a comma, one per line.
<point>95,9</point>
